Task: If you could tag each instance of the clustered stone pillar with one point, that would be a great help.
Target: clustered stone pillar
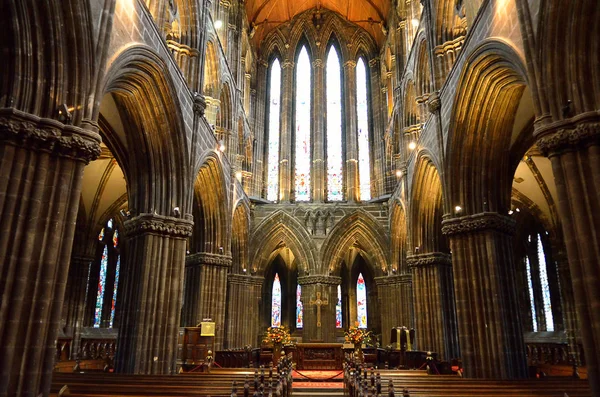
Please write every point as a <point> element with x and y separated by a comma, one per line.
<point>352,182</point>
<point>151,299</point>
<point>319,178</point>
<point>286,167</point>
<point>243,317</point>
<point>41,169</point>
<point>395,303</point>
<point>489,328</point>
<point>434,302</point>
<point>327,287</point>
<point>574,151</point>
<point>206,291</point>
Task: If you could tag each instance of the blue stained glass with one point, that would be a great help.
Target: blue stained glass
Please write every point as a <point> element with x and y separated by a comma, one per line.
<point>338,308</point>
<point>334,128</point>
<point>302,144</point>
<point>362,109</point>
<point>361,302</point>
<point>299,308</point>
<point>115,238</point>
<point>274,115</point>
<point>276,303</point>
<point>101,288</point>
<point>114,298</point>
<point>531,298</point>
<point>545,286</point>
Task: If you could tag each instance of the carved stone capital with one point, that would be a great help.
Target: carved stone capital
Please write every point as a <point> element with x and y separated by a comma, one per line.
<point>158,225</point>
<point>199,104</point>
<point>570,139</point>
<point>287,64</point>
<point>350,64</point>
<point>393,280</point>
<point>318,63</point>
<point>429,259</point>
<point>242,279</point>
<point>434,103</point>
<point>47,135</point>
<point>207,258</point>
<point>479,222</point>
<point>319,279</point>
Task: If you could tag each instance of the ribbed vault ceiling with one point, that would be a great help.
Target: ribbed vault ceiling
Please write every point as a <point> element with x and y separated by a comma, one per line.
<point>266,15</point>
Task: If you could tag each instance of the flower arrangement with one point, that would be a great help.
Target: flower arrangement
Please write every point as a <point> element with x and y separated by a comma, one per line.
<point>277,335</point>
<point>357,335</point>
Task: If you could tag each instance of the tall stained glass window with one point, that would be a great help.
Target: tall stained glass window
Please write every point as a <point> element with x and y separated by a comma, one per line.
<point>361,302</point>
<point>101,288</point>
<point>545,285</point>
<point>276,303</point>
<point>362,109</point>
<point>117,271</point>
<point>531,296</point>
<point>338,308</point>
<point>299,308</point>
<point>274,116</point>
<point>334,127</point>
<point>302,143</point>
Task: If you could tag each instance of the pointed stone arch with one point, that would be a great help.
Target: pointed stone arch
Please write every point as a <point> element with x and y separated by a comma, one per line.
<point>398,238</point>
<point>240,244</point>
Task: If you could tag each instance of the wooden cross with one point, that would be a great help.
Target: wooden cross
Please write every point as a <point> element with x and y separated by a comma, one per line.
<point>319,302</point>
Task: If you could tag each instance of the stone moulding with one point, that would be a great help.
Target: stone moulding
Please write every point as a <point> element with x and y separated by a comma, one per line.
<point>568,139</point>
<point>394,280</point>
<point>158,224</point>
<point>477,223</point>
<point>243,279</point>
<point>429,259</point>
<point>319,279</point>
<point>25,130</point>
<point>207,258</point>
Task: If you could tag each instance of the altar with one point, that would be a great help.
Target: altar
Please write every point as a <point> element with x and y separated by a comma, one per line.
<point>319,356</point>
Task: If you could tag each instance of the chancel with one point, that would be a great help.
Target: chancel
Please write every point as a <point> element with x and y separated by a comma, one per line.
<point>200,185</point>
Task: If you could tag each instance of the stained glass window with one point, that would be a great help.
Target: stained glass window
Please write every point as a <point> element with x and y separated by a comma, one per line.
<point>299,308</point>
<point>338,308</point>
<point>115,238</point>
<point>334,127</point>
<point>545,285</point>
<point>303,159</point>
<point>531,296</point>
<point>101,235</point>
<point>362,109</point>
<point>274,115</point>
<point>114,297</point>
<point>276,303</point>
<point>361,302</point>
<point>101,288</point>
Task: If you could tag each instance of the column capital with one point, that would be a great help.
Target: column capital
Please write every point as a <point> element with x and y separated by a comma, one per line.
<point>429,259</point>
<point>25,130</point>
<point>350,64</point>
<point>319,279</point>
<point>479,222</point>
<point>159,225</point>
<point>199,104</point>
<point>287,64</point>
<point>569,138</point>
<point>434,103</point>
<point>318,63</point>
<point>207,258</point>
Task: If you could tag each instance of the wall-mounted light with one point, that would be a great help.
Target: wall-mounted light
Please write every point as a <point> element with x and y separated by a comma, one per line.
<point>221,250</point>
<point>221,146</point>
<point>238,176</point>
<point>399,173</point>
<point>518,210</point>
<point>415,22</point>
<point>510,212</point>
<point>218,24</point>
<point>64,114</point>
<point>412,145</point>
<point>176,212</point>
<point>457,209</point>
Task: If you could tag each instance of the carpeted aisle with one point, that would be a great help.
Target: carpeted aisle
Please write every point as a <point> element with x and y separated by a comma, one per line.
<point>318,383</point>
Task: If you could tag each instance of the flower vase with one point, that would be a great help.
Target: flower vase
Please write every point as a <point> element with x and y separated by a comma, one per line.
<point>358,354</point>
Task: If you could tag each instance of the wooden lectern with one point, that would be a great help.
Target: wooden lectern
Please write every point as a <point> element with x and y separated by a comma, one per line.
<point>198,348</point>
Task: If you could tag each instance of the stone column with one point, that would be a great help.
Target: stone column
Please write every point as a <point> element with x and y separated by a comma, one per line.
<point>352,182</point>
<point>327,286</point>
<point>395,303</point>
<point>74,306</point>
<point>286,168</point>
<point>319,174</point>
<point>568,304</point>
<point>206,291</point>
<point>489,328</point>
<point>574,151</point>
<point>41,169</point>
<point>150,304</point>
<point>434,302</point>
<point>379,120</point>
<point>243,311</point>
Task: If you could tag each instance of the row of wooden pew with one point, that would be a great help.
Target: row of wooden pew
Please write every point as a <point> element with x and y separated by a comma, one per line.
<point>362,382</point>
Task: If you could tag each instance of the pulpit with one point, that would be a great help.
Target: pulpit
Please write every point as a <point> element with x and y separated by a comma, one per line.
<point>198,347</point>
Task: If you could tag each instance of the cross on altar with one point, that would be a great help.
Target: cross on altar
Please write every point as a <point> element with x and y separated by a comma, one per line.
<point>319,302</point>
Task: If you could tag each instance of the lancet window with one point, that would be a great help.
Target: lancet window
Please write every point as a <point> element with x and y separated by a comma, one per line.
<point>276,303</point>
<point>108,277</point>
<point>334,127</point>
<point>539,286</point>
<point>362,111</point>
<point>361,302</point>
<point>274,114</point>
<point>299,308</point>
<point>338,308</point>
<point>302,127</point>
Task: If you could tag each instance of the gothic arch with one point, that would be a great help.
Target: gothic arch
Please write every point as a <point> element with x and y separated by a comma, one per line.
<point>398,238</point>
<point>211,70</point>
<point>139,81</point>
<point>240,237</point>
<point>282,230</point>
<point>225,110</point>
<point>448,22</point>
<point>360,230</point>
<point>480,171</point>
